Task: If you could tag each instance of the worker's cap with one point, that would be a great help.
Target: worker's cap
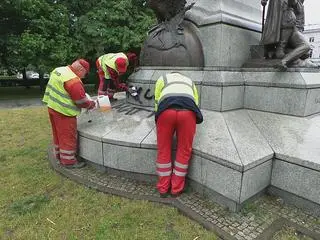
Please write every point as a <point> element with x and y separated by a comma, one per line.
<point>84,64</point>
<point>131,56</point>
<point>121,64</point>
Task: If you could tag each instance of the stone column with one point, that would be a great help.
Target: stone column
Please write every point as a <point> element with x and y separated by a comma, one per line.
<point>227,29</point>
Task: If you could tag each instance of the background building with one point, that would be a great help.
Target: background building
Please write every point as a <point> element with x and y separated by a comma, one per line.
<point>312,34</point>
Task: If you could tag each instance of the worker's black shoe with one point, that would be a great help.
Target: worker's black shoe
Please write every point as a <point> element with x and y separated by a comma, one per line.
<point>75,166</point>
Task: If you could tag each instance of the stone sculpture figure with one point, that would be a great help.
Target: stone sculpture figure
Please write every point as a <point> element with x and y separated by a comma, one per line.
<point>173,41</point>
<point>282,35</point>
<point>166,9</point>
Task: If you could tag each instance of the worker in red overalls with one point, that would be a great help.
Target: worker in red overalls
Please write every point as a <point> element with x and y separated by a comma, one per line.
<point>110,67</point>
<point>65,96</point>
<point>177,111</point>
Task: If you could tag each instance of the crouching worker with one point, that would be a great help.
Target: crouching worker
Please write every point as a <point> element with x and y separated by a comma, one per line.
<point>177,111</point>
<point>110,67</point>
<point>65,96</point>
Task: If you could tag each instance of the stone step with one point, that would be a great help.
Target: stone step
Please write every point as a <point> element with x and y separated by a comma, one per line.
<point>295,92</point>
<point>236,155</point>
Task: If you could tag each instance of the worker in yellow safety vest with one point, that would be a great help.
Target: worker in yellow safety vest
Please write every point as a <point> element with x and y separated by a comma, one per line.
<point>64,97</point>
<point>177,111</point>
<point>110,67</point>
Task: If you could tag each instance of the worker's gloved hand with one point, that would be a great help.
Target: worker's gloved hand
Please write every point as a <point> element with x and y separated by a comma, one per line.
<point>92,105</point>
<point>88,96</point>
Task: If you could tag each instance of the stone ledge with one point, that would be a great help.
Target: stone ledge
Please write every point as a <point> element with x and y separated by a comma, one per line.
<point>293,139</point>
<point>217,140</point>
<point>233,186</point>
<point>233,151</point>
<point>297,180</point>
<point>294,92</point>
<point>219,68</point>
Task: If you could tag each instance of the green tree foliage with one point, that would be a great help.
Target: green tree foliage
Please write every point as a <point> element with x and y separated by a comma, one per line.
<point>113,26</point>
<point>12,24</point>
<point>47,42</point>
<point>50,33</point>
<point>35,33</point>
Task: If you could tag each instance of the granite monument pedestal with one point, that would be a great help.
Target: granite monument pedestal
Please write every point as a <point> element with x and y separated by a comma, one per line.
<point>238,153</point>
<point>261,131</point>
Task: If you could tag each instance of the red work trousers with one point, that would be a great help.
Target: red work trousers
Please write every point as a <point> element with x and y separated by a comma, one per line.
<point>183,122</point>
<point>102,85</point>
<point>106,86</point>
<point>109,86</point>
<point>64,131</point>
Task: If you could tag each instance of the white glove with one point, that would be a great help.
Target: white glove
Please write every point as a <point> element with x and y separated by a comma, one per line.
<point>88,96</point>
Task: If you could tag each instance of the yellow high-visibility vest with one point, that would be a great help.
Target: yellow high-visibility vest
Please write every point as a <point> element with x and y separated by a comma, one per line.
<point>175,84</point>
<point>109,60</point>
<point>56,97</point>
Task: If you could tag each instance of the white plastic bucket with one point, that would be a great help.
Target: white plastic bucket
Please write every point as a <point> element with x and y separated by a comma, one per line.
<point>103,103</point>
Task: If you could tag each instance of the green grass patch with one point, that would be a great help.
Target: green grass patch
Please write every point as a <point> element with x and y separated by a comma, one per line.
<point>28,204</point>
<point>38,203</point>
<point>252,208</point>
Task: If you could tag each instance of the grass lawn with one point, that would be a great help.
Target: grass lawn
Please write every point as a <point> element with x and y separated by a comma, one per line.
<point>37,203</point>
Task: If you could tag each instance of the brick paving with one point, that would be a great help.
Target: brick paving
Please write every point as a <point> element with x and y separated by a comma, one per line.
<point>254,220</point>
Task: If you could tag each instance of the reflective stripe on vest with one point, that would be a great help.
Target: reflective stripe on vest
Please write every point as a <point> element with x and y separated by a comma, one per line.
<point>109,60</point>
<point>56,97</point>
<point>176,84</point>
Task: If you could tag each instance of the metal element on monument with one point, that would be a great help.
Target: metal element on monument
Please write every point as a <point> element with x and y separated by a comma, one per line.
<point>173,41</point>
<point>282,34</point>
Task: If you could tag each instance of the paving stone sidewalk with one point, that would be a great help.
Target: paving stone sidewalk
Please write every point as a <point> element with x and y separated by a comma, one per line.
<point>257,220</point>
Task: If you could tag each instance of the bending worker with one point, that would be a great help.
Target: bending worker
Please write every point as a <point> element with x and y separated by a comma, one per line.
<point>65,96</point>
<point>110,67</point>
<point>177,111</point>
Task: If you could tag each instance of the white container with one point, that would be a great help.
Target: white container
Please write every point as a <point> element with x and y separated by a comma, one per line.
<point>103,103</point>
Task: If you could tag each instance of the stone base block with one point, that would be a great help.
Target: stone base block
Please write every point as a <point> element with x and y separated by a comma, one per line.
<point>227,186</point>
<point>90,149</point>
<point>233,152</point>
<point>296,179</point>
<point>222,48</point>
<point>292,93</point>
